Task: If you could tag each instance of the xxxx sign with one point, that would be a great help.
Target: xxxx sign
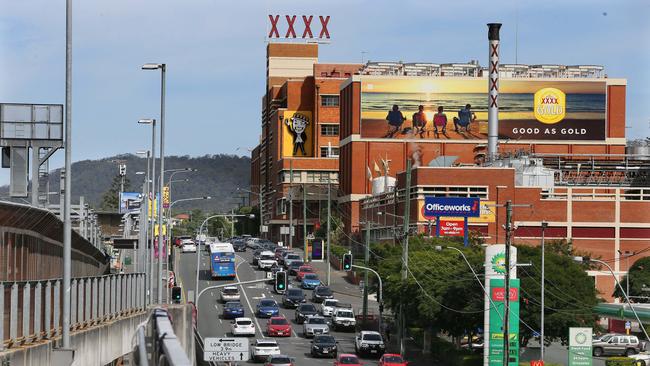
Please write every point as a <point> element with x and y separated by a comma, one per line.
<point>291,21</point>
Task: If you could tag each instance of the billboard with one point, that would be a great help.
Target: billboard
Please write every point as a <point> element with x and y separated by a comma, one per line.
<point>488,213</point>
<point>130,201</point>
<point>298,133</point>
<point>529,109</point>
<point>452,206</point>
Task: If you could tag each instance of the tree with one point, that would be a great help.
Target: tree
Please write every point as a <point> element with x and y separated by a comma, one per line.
<point>639,282</point>
<point>110,198</point>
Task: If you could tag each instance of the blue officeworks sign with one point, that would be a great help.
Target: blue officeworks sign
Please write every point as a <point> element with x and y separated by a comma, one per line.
<point>452,206</point>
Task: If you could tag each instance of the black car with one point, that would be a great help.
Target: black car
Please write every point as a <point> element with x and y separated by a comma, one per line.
<point>321,293</point>
<point>256,255</point>
<point>239,245</point>
<point>324,346</point>
<point>294,266</point>
<point>293,297</point>
<point>303,311</point>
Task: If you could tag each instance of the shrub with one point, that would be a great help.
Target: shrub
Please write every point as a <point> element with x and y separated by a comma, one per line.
<point>619,361</point>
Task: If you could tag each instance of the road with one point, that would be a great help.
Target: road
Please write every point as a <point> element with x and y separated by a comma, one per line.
<point>209,319</point>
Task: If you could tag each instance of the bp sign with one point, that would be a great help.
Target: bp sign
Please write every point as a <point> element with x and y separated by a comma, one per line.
<point>580,347</point>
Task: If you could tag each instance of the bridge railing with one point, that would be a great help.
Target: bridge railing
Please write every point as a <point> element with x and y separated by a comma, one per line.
<point>32,310</point>
<point>155,342</point>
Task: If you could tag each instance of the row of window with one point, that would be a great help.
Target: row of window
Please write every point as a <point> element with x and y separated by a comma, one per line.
<point>329,130</point>
<point>329,100</point>
<point>308,176</point>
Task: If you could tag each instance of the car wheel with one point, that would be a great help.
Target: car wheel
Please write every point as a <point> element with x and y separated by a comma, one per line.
<point>630,352</point>
<point>598,352</point>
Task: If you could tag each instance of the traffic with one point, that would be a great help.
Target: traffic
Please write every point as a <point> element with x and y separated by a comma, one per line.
<point>289,315</point>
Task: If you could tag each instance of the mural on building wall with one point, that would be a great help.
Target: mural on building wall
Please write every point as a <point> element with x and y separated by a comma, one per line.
<point>298,136</point>
<point>456,108</point>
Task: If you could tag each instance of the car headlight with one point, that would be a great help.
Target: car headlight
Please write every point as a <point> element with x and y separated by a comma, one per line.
<point>316,347</point>
<point>381,345</point>
<point>363,345</point>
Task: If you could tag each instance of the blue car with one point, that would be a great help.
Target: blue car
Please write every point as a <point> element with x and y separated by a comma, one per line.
<point>232,310</point>
<point>267,308</point>
<point>310,281</point>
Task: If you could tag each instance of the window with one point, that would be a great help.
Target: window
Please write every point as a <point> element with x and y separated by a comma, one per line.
<point>281,206</point>
<point>329,130</point>
<point>329,152</point>
<point>329,100</point>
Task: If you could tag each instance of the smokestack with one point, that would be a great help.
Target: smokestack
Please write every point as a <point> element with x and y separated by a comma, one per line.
<point>493,91</point>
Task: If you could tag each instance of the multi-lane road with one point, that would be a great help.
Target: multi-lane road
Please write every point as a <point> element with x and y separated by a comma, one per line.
<point>211,324</point>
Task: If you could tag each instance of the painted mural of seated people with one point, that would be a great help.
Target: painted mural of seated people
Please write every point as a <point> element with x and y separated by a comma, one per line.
<point>440,122</point>
<point>395,120</point>
<point>419,121</point>
<point>465,117</point>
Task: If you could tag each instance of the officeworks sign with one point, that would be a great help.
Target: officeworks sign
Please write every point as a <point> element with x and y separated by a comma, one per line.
<point>452,206</point>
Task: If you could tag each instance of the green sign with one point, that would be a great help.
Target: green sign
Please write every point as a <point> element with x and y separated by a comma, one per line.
<point>580,340</point>
<point>497,294</point>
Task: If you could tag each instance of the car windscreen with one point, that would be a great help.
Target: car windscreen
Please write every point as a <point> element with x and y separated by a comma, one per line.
<point>345,314</point>
<point>280,321</point>
<point>330,303</point>
<point>393,359</point>
<point>280,360</point>
<point>267,303</point>
<point>324,339</point>
<point>371,337</point>
<point>311,276</point>
<point>317,321</point>
<point>267,256</point>
<point>309,308</point>
<point>233,305</point>
<point>293,256</point>
<point>230,291</point>
<point>296,264</point>
<point>349,360</point>
<point>294,293</point>
<point>323,291</point>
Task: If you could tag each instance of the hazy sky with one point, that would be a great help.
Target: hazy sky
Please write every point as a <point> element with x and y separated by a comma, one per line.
<point>215,54</point>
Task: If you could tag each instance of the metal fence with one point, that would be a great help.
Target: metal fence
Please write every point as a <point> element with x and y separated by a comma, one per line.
<point>32,310</point>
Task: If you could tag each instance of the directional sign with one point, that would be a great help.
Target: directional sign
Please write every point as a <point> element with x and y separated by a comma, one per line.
<point>225,349</point>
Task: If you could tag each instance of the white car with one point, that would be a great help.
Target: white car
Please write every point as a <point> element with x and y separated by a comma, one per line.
<point>327,306</point>
<point>641,359</point>
<point>266,260</point>
<point>263,348</point>
<point>188,247</point>
<point>343,319</point>
<point>243,326</point>
<point>230,293</point>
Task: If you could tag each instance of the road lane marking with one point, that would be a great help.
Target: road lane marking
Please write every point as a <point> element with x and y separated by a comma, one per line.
<point>246,297</point>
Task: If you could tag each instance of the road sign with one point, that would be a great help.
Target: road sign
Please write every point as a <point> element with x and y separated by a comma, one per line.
<point>628,325</point>
<point>580,347</point>
<point>221,349</point>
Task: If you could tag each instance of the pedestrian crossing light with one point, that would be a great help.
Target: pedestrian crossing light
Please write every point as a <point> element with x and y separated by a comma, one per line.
<point>280,281</point>
<point>347,261</point>
<point>176,294</point>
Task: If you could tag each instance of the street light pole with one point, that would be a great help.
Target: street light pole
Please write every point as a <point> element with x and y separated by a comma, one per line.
<point>67,223</point>
<point>304,223</point>
<point>405,256</point>
<point>329,228</point>
<point>541,345</point>
<point>153,205</point>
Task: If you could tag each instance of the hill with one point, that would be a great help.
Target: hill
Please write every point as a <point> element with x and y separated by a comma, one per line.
<point>218,176</point>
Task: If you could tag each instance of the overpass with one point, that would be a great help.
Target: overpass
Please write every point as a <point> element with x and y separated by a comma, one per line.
<point>109,314</point>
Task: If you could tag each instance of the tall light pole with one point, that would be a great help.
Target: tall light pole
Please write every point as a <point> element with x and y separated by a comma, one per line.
<point>67,223</point>
<point>154,203</point>
<point>541,333</point>
<point>162,68</point>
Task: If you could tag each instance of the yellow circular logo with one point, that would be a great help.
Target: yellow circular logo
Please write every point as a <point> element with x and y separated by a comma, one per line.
<point>550,105</point>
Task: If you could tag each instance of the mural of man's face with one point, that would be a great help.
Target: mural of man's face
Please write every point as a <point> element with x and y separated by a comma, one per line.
<point>299,124</point>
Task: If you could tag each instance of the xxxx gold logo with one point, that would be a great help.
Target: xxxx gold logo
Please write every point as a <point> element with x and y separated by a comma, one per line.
<point>550,105</point>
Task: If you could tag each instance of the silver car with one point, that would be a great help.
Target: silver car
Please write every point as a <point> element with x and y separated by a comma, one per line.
<point>230,293</point>
<point>279,360</point>
<point>315,325</point>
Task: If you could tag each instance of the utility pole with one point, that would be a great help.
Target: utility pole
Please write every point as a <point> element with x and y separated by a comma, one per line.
<point>329,228</point>
<point>304,223</point>
<point>544,225</point>
<point>290,204</point>
<point>405,255</point>
<point>67,186</point>
<point>365,275</point>
<point>261,212</point>
<point>506,300</point>
<point>232,222</point>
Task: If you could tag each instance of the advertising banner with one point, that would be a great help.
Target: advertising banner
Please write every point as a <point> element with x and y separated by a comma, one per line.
<point>166,197</point>
<point>317,250</point>
<point>452,227</point>
<point>488,214</point>
<point>298,133</point>
<point>153,213</point>
<point>497,314</point>
<point>554,109</point>
<point>580,340</point>
<point>452,206</point>
<point>130,201</point>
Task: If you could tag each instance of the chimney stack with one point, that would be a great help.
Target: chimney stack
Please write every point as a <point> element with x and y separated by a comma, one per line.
<point>493,90</point>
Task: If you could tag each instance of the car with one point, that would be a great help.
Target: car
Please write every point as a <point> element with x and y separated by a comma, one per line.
<point>267,308</point>
<point>302,270</point>
<point>369,342</point>
<point>243,326</point>
<point>618,345</point>
<point>230,293</point>
<point>279,360</point>
<point>266,260</point>
<point>347,359</point>
<point>328,306</point>
<point>310,281</point>
<point>261,349</point>
<point>641,359</point>
<point>283,256</point>
<point>605,337</point>
<point>256,256</point>
<point>238,245</point>
<point>315,325</point>
<point>292,257</point>
<point>278,326</point>
<point>278,253</point>
<point>324,346</point>
<point>392,359</point>
<point>268,245</point>
<point>321,293</point>
<point>293,297</point>
<point>343,319</point>
<point>188,247</point>
<point>232,310</point>
<point>294,265</point>
<point>304,311</point>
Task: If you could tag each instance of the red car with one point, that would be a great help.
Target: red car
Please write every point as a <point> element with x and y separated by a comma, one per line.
<point>392,359</point>
<point>347,359</point>
<point>302,271</point>
<point>278,326</point>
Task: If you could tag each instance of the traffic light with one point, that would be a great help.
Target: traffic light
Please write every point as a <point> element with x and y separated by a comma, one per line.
<point>176,294</point>
<point>122,170</point>
<point>347,261</point>
<point>280,281</point>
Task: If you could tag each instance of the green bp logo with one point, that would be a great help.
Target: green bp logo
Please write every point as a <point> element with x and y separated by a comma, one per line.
<point>499,263</point>
<point>581,338</point>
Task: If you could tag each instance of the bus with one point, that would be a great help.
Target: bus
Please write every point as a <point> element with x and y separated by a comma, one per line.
<point>222,260</point>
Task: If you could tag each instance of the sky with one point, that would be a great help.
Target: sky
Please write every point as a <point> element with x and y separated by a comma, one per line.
<point>214,51</point>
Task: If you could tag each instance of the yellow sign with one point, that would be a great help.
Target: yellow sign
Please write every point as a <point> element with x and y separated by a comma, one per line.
<point>155,230</point>
<point>550,105</point>
<point>297,133</point>
<point>488,213</point>
<point>166,197</point>
<point>154,212</point>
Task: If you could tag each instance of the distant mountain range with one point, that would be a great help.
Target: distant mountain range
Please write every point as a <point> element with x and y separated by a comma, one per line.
<point>218,176</point>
